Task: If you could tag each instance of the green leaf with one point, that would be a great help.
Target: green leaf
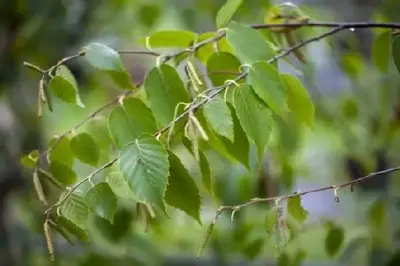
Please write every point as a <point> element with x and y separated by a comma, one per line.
<point>62,172</point>
<point>298,100</point>
<point>30,160</point>
<point>206,177</point>
<point>72,228</point>
<point>182,192</point>
<point>253,248</point>
<point>219,117</point>
<point>119,186</point>
<point>164,90</point>
<point>378,215</point>
<point>75,210</point>
<point>226,12</point>
<point>240,147</point>
<point>129,121</point>
<point>102,201</point>
<point>254,116</point>
<point>270,220</point>
<point>170,38</point>
<point>85,149</point>
<point>106,59</point>
<point>222,66</point>
<point>283,259</point>
<point>67,75</point>
<point>144,165</point>
<point>248,44</point>
<point>62,151</point>
<point>396,51</point>
<point>296,210</point>
<point>299,258</point>
<point>334,240</point>
<point>269,86</point>
<point>205,51</point>
<point>64,90</point>
<point>381,49</point>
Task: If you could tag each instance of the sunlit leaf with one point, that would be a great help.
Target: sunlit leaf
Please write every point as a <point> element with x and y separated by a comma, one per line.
<point>102,201</point>
<point>129,121</point>
<point>296,210</point>
<point>182,192</point>
<point>226,12</point>
<point>298,100</point>
<point>169,38</point>
<point>164,90</point>
<point>106,59</point>
<point>334,239</point>
<point>269,86</point>
<point>144,165</point>
<point>254,116</point>
<point>381,49</point>
<point>85,149</point>
<point>219,117</point>
<point>30,160</point>
<point>75,210</point>
<point>248,44</point>
<point>62,172</point>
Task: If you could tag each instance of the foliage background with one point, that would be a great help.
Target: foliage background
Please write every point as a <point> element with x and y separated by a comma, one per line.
<point>355,107</point>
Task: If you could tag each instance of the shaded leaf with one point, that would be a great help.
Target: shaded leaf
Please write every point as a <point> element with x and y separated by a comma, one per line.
<point>283,259</point>
<point>253,248</point>
<point>85,149</point>
<point>296,210</point>
<point>119,186</point>
<point>106,59</point>
<point>396,51</point>
<point>206,177</point>
<point>164,90</point>
<point>62,172</point>
<point>269,86</point>
<point>129,121</point>
<point>64,90</point>
<point>226,12</point>
<point>219,117</point>
<point>72,228</point>
<point>62,151</point>
<point>299,258</point>
<point>254,116</point>
<point>63,71</point>
<point>240,36</point>
<point>298,100</point>
<point>75,210</point>
<point>30,160</point>
<point>182,192</point>
<point>170,38</point>
<point>270,220</point>
<point>102,201</point>
<point>240,147</point>
<point>207,50</point>
<point>144,165</point>
<point>334,239</point>
<point>381,49</point>
<point>222,66</point>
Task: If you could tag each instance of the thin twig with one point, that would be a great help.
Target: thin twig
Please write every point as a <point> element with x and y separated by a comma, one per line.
<point>76,185</point>
<point>143,52</point>
<point>279,198</point>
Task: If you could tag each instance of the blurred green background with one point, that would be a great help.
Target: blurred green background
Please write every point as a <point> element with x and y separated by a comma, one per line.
<point>357,132</point>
